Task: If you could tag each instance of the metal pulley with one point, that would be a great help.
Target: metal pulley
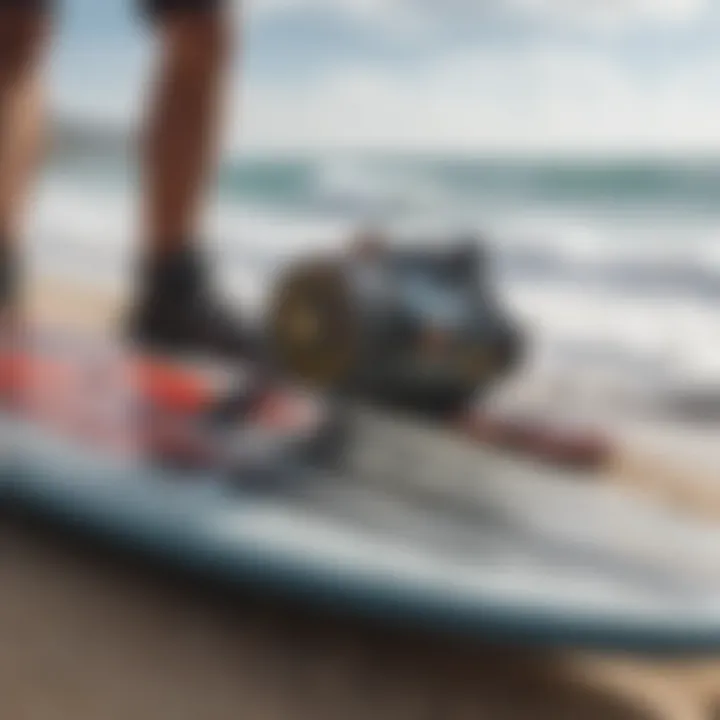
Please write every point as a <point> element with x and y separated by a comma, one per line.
<point>412,327</point>
<point>313,328</point>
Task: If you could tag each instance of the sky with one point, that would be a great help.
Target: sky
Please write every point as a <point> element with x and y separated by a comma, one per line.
<point>470,76</point>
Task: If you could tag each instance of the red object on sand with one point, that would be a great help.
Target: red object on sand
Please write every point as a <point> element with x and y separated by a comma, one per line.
<point>576,448</point>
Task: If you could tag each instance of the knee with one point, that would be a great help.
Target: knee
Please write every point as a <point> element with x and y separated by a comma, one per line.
<point>23,33</point>
<point>201,42</point>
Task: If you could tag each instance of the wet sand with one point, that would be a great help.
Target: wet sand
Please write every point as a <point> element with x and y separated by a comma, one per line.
<point>85,634</point>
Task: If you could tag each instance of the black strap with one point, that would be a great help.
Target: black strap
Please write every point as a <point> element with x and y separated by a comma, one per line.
<point>237,404</point>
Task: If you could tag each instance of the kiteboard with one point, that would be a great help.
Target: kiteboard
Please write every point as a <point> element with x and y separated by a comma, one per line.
<point>359,477</point>
<point>411,523</point>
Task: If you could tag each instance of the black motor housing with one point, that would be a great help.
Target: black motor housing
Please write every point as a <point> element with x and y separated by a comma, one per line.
<point>417,328</point>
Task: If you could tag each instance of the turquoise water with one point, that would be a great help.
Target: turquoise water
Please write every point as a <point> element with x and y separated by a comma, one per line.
<point>687,185</point>
<point>391,184</point>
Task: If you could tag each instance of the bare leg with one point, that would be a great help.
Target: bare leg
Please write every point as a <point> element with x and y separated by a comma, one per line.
<point>181,139</point>
<point>176,307</point>
<point>22,40</point>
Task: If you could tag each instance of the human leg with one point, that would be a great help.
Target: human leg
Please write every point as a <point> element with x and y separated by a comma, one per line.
<point>176,306</point>
<point>24,29</point>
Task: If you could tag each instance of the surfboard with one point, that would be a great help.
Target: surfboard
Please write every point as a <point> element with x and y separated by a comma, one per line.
<point>419,526</point>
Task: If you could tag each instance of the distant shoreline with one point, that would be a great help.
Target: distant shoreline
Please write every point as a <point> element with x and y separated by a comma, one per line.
<point>111,138</point>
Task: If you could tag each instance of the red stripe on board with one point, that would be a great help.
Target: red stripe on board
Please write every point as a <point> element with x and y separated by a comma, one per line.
<point>172,389</point>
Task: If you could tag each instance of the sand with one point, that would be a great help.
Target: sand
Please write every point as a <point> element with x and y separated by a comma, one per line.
<point>85,635</point>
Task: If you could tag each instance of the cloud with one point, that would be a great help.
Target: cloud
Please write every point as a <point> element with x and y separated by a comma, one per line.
<point>614,13</point>
<point>506,92</point>
<point>398,18</point>
<point>600,15</point>
<point>540,98</point>
<point>368,10</point>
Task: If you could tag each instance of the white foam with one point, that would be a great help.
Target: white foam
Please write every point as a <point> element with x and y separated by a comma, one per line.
<point>83,230</point>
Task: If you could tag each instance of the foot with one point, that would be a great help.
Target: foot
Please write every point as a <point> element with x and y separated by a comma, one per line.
<point>9,291</point>
<point>178,312</point>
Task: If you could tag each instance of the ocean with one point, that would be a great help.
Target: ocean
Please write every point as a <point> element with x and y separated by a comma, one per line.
<point>613,265</point>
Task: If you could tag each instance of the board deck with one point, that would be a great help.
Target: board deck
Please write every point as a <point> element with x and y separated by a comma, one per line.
<point>100,393</point>
<point>497,546</point>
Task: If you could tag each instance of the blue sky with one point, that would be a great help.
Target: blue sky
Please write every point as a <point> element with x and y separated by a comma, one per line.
<point>468,75</point>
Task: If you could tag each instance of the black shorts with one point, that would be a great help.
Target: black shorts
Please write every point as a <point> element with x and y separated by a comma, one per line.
<point>149,8</point>
<point>159,8</point>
